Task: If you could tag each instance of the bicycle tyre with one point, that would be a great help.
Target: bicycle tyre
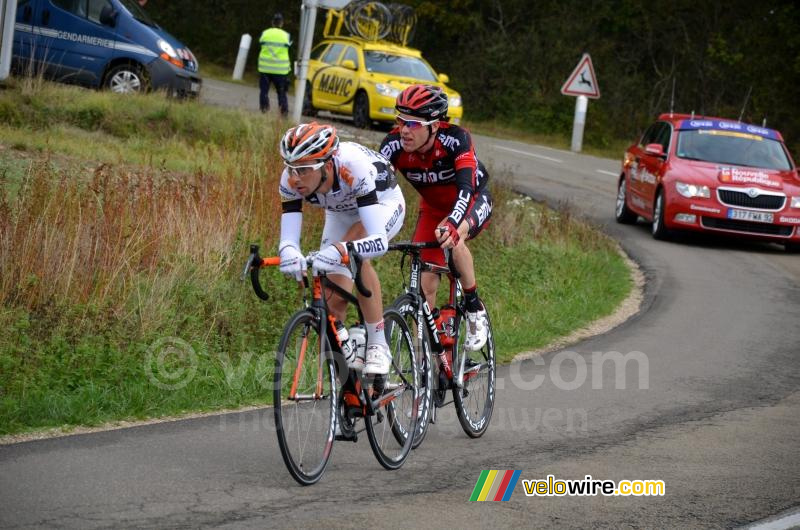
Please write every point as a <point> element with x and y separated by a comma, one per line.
<point>406,305</point>
<point>390,428</point>
<point>305,428</point>
<point>474,401</point>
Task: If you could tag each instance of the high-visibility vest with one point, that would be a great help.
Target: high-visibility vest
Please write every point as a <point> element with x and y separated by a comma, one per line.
<point>274,57</point>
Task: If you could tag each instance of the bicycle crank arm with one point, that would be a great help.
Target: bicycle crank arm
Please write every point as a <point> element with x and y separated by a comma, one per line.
<point>388,398</point>
<point>307,397</point>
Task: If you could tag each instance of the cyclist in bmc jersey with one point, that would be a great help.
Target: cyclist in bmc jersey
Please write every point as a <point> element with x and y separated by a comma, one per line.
<point>439,160</point>
<point>363,203</point>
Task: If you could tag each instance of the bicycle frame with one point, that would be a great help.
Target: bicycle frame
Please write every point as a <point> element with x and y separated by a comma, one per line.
<point>424,311</point>
<point>353,383</point>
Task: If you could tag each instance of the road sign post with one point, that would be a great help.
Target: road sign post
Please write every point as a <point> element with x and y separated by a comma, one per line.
<point>582,82</point>
<point>308,17</point>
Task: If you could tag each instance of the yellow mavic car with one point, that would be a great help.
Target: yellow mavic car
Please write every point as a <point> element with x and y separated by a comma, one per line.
<point>362,78</point>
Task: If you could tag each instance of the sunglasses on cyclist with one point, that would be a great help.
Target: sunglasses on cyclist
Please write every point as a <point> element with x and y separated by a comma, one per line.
<point>296,170</point>
<point>412,124</point>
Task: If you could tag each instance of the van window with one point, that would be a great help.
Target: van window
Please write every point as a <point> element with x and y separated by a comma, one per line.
<point>76,7</point>
<point>138,13</point>
<point>96,7</point>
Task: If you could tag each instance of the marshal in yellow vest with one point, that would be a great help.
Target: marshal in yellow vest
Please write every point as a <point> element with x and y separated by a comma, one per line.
<point>274,57</point>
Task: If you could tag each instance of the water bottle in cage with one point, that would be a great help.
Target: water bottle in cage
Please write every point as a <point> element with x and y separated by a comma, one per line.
<point>358,342</point>
<point>447,317</point>
<point>344,341</point>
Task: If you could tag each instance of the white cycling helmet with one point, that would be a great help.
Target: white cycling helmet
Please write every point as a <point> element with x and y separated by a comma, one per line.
<point>309,143</point>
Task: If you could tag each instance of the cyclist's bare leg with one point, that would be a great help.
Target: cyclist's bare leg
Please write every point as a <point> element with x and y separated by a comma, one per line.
<point>462,258</point>
<point>430,284</point>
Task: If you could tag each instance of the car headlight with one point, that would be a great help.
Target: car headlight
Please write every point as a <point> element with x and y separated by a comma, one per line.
<point>168,53</point>
<point>795,202</point>
<point>386,90</point>
<point>692,190</point>
<point>455,101</point>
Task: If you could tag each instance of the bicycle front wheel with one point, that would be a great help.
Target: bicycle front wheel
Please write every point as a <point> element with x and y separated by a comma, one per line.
<point>407,306</point>
<point>473,390</point>
<point>304,395</point>
<point>395,397</point>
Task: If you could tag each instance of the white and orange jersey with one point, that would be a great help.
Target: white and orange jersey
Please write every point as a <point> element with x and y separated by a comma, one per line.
<point>357,171</point>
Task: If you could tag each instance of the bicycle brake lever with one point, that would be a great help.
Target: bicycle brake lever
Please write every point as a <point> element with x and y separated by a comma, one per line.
<point>247,266</point>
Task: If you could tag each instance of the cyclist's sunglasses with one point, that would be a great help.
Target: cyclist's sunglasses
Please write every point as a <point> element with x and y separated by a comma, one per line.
<point>412,124</point>
<point>304,168</point>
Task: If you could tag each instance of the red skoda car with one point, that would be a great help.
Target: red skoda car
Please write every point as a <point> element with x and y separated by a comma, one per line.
<point>711,174</point>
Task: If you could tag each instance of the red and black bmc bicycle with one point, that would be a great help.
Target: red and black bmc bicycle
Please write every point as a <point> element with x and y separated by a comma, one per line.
<point>318,399</point>
<point>445,364</point>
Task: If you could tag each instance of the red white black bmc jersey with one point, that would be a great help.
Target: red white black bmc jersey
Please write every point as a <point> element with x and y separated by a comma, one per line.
<point>448,176</point>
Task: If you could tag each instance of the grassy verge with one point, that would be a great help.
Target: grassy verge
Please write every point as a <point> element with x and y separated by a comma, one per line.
<point>124,223</point>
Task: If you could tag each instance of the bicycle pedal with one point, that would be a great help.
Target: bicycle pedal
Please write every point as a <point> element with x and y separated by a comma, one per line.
<point>346,437</point>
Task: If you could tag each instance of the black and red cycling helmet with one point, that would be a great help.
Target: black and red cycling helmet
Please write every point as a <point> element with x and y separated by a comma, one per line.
<point>427,102</point>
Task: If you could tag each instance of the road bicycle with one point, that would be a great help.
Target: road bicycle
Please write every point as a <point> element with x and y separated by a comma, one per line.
<point>317,399</point>
<point>444,362</point>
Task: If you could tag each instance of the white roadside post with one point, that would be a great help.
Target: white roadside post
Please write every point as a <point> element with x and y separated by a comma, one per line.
<point>8,16</point>
<point>582,82</point>
<point>308,17</point>
<point>581,102</point>
<point>241,58</point>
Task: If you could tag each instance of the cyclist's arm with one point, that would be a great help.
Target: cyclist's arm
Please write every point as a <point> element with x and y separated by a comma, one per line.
<point>370,213</point>
<point>292,216</point>
<point>466,166</point>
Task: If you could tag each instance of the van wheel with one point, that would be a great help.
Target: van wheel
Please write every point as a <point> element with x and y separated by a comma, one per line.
<point>126,79</point>
<point>361,117</point>
<point>308,106</point>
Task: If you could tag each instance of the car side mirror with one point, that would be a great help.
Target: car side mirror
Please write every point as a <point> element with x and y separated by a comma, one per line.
<point>108,16</point>
<point>444,78</point>
<point>655,150</point>
<point>349,64</point>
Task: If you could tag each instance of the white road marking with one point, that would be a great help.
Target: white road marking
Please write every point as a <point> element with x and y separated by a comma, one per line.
<point>527,153</point>
<point>791,520</point>
<point>604,172</point>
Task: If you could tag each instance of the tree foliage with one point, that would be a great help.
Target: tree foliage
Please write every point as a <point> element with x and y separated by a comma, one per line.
<point>509,58</point>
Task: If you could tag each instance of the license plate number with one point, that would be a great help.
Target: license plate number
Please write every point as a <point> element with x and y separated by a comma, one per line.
<point>745,215</point>
<point>195,87</point>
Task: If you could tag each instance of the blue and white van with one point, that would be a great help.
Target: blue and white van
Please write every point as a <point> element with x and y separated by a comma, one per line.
<point>101,43</point>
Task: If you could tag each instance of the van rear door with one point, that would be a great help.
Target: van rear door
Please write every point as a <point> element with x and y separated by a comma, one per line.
<point>78,46</point>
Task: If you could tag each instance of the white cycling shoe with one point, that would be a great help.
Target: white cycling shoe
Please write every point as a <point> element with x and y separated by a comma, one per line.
<point>378,360</point>
<point>477,330</point>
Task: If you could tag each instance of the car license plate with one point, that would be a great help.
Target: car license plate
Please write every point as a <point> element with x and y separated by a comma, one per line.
<point>195,87</point>
<point>745,215</point>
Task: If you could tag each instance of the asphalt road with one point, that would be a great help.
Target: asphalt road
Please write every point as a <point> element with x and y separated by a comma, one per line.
<point>708,402</point>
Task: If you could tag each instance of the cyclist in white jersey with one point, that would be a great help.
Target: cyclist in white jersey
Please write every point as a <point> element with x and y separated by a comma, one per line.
<point>363,204</point>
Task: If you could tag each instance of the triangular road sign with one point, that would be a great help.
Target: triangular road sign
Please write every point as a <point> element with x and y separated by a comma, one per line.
<point>582,81</point>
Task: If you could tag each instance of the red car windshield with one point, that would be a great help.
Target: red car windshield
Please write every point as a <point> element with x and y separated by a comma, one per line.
<point>732,148</point>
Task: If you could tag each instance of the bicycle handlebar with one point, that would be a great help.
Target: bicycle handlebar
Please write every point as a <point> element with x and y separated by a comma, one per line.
<point>413,247</point>
<point>255,262</point>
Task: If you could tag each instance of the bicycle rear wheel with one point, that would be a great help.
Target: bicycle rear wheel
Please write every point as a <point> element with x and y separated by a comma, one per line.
<point>304,394</point>
<point>406,305</point>
<point>474,398</point>
<point>395,397</point>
